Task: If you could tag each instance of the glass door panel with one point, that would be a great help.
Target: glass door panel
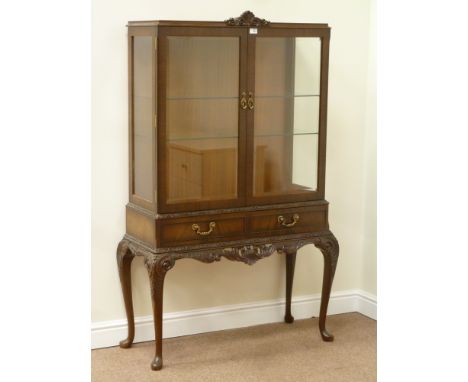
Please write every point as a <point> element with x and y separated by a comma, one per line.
<point>202,118</point>
<point>286,115</point>
<point>142,116</point>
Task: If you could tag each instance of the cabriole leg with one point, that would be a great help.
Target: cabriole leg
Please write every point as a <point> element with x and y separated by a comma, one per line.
<point>290,265</point>
<point>329,247</point>
<point>124,262</point>
<point>157,267</point>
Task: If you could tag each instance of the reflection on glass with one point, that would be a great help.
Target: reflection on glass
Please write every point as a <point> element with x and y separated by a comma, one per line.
<point>307,66</point>
<point>202,67</point>
<point>286,119</point>
<point>142,116</point>
<point>305,171</point>
<point>202,118</point>
<point>306,114</point>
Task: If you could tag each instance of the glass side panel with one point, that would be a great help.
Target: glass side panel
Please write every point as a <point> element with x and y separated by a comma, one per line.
<point>142,117</point>
<point>286,115</point>
<point>202,126</point>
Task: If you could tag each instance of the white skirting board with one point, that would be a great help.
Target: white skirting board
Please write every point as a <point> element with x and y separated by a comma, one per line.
<point>109,333</point>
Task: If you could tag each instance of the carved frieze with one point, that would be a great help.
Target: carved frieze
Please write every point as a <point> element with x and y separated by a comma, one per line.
<point>242,251</point>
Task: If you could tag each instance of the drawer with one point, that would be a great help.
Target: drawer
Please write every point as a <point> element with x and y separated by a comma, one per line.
<point>201,229</point>
<point>291,220</point>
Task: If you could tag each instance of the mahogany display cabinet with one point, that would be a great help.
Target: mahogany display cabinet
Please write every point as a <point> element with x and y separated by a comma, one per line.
<point>227,142</point>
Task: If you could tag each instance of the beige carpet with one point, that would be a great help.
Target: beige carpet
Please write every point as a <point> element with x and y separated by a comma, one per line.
<point>273,352</point>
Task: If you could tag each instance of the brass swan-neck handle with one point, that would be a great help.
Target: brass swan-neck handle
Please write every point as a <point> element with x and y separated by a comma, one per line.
<point>295,219</point>
<point>250,101</point>
<point>196,228</point>
<point>243,101</point>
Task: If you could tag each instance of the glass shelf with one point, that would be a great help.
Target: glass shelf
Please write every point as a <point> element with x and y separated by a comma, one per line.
<point>181,139</point>
<point>283,135</point>
<point>142,135</point>
<point>201,98</point>
<point>286,96</point>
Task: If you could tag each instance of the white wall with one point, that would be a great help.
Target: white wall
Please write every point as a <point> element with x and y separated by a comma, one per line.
<point>350,186</point>
<point>369,250</point>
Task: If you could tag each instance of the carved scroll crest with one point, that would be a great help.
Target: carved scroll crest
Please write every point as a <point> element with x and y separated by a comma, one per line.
<point>247,19</point>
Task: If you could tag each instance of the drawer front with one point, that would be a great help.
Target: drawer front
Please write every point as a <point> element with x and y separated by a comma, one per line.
<point>293,220</point>
<point>192,231</point>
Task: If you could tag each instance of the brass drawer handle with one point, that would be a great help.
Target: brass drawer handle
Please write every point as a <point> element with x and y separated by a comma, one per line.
<point>292,224</point>
<point>243,101</point>
<point>196,228</point>
<point>250,102</point>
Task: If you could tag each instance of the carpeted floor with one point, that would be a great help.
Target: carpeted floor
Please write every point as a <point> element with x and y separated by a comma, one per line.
<point>273,352</point>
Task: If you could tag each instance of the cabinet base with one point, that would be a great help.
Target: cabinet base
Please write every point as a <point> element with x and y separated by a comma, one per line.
<point>246,251</point>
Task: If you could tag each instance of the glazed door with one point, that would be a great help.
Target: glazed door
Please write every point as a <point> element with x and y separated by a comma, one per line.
<point>201,126</point>
<point>287,87</point>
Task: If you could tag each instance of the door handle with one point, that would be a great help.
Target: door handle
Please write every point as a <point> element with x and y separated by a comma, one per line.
<point>250,102</point>
<point>243,101</point>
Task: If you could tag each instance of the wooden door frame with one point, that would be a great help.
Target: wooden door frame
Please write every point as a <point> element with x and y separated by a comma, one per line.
<point>319,194</point>
<point>162,163</point>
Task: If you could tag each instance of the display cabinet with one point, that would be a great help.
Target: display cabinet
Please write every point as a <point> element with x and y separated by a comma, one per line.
<point>227,136</point>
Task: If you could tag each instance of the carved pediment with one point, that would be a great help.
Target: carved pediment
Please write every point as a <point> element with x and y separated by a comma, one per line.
<point>247,19</point>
